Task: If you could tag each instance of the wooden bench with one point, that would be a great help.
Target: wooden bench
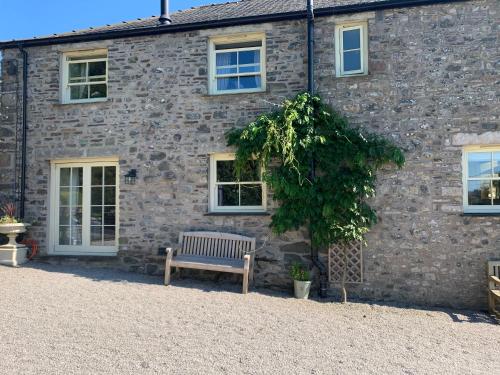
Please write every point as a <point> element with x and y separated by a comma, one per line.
<point>494,287</point>
<point>213,251</point>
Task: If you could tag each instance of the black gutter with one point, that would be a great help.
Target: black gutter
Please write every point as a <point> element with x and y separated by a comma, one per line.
<point>323,284</point>
<point>22,198</point>
<point>166,29</point>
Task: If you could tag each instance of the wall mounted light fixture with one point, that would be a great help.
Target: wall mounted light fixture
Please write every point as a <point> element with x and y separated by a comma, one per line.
<point>131,177</point>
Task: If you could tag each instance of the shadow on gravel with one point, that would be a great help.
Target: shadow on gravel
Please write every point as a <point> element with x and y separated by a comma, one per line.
<point>221,284</point>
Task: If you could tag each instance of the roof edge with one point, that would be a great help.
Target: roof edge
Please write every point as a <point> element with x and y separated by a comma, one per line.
<point>238,21</point>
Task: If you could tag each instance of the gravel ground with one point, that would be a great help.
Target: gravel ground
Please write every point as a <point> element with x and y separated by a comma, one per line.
<point>71,320</point>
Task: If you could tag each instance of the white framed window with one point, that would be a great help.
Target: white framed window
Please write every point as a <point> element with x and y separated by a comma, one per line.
<point>230,194</point>
<point>351,49</point>
<point>237,64</point>
<point>84,76</point>
<point>481,179</point>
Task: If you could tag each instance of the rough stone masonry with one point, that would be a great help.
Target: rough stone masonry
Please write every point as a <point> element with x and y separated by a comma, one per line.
<point>432,87</point>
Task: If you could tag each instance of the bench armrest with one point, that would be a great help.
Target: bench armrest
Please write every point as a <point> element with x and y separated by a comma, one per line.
<point>495,280</point>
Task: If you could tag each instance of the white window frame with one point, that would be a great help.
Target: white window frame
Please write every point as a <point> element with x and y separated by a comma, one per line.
<point>213,207</point>
<point>465,179</point>
<point>85,248</point>
<point>87,56</point>
<point>339,50</point>
<point>230,39</point>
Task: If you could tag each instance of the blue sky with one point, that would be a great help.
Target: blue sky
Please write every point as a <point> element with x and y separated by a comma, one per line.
<point>21,19</point>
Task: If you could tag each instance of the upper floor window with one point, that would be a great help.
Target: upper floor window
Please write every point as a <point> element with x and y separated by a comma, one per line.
<point>85,76</point>
<point>481,179</point>
<point>351,49</point>
<point>237,64</point>
<point>228,193</point>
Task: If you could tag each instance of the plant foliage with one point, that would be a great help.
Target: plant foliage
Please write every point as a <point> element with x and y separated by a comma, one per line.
<point>333,202</point>
<point>9,212</point>
<point>299,272</point>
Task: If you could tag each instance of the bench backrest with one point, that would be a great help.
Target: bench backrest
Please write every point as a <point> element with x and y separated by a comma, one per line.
<point>215,244</point>
<point>493,270</point>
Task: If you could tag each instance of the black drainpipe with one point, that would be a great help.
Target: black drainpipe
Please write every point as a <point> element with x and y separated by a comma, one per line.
<point>323,284</point>
<point>22,197</point>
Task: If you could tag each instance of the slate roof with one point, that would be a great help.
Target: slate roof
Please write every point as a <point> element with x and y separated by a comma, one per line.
<point>227,11</point>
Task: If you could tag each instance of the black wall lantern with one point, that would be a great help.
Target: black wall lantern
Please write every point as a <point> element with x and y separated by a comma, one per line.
<point>131,177</point>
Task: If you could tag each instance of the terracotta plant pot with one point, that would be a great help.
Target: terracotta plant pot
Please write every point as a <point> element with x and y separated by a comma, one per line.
<point>13,254</point>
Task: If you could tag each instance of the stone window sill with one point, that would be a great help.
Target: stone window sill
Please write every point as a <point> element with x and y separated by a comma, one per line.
<point>237,214</point>
<point>481,214</point>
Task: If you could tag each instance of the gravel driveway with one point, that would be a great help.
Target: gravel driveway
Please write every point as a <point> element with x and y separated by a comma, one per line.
<point>71,320</point>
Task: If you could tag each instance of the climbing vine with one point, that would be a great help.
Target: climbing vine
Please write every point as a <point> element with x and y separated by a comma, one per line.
<point>332,202</point>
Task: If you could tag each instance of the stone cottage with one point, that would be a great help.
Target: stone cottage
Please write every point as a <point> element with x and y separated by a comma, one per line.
<point>124,134</point>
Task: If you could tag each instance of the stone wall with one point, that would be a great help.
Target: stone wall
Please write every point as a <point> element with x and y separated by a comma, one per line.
<point>432,73</point>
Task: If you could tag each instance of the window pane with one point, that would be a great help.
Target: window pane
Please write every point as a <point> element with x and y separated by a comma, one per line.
<point>76,216</point>
<point>352,61</point>
<point>249,57</point>
<point>226,58</point>
<point>227,195</point>
<point>79,92</point>
<point>495,191</point>
<point>496,164</point>
<point>250,69</point>
<point>64,233</point>
<point>96,215</point>
<point>109,195</point>
<point>251,195</point>
<point>250,82</point>
<point>65,176</point>
<point>76,196</point>
<point>479,192</point>
<point>351,39</point>
<point>224,84</point>
<point>64,216</point>
<point>97,68</point>
<point>96,175</point>
<point>479,164</point>
<point>76,236</point>
<point>64,196</point>
<point>96,196</point>
<point>96,236</point>
<point>109,216</point>
<point>251,171</point>
<point>109,235</point>
<point>77,72</point>
<point>110,175</point>
<point>227,70</point>
<point>98,91</point>
<point>77,177</point>
<point>225,171</point>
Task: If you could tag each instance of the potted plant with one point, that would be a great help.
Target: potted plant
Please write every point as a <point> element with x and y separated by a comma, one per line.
<point>301,280</point>
<point>11,254</point>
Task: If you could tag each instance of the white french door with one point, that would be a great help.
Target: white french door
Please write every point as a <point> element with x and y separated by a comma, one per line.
<point>85,209</point>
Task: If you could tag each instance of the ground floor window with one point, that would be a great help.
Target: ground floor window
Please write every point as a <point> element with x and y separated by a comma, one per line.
<point>84,208</point>
<point>481,179</point>
<point>230,193</point>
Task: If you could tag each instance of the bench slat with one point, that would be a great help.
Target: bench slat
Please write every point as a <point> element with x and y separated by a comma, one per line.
<point>208,263</point>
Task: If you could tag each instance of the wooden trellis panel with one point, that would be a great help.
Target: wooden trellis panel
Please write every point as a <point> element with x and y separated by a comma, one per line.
<point>354,271</point>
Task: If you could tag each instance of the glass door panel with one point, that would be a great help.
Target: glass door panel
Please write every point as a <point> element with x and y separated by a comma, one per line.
<point>103,206</point>
<point>70,206</point>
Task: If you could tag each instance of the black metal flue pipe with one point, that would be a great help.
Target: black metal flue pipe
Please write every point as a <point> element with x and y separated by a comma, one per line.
<point>165,13</point>
<point>323,284</point>
<point>22,198</point>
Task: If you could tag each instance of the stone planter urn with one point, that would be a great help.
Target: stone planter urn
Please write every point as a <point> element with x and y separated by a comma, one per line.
<point>13,254</point>
<point>301,289</point>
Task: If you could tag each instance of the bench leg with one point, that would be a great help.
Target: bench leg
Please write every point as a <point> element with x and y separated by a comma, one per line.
<point>246,271</point>
<point>167,266</point>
